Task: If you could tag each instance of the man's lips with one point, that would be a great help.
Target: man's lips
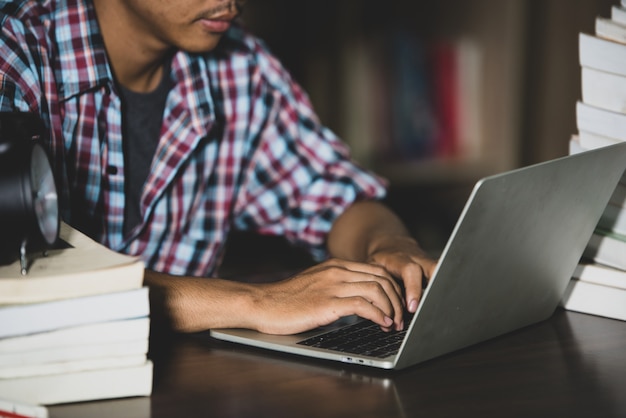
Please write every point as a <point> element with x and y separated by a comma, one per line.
<point>216,25</point>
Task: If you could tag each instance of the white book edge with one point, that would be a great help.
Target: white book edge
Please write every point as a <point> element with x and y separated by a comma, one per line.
<point>601,54</point>
<point>590,140</point>
<point>594,299</point>
<point>609,29</point>
<point>603,90</point>
<point>18,320</point>
<point>575,146</point>
<point>104,332</point>
<point>69,353</point>
<point>600,121</point>
<point>81,386</point>
<point>601,275</point>
<point>73,366</point>
<point>618,14</point>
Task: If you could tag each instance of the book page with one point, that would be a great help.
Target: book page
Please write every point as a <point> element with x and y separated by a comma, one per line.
<point>81,254</point>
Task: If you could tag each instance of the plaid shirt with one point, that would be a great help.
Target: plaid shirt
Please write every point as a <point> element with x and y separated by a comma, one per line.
<point>240,146</point>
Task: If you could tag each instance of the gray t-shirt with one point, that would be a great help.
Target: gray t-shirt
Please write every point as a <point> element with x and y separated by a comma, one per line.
<point>142,117</point>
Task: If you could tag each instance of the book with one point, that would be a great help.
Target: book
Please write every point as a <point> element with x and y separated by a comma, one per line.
<point>608,248</point>
<point>71,366</point>
<point>414,121</point>
<point>82,267</point>
<point>90,334</point>
<point>575,146</point>
<point>135,407</point>
<point>470,84</point>
<point>45,355</point>
<point>445,81</point>
<point>12,409</point>
<point>600,274</point>
<point>603,90</point>
<point>618,14</point>
<point>16,320</point>
<point>602,54</point>
<point>434,98</point>
<point>595,299</point>
<point>610,29</point>
<point>590,140</point>
<point>80,386</point>
<point>600,121</point>
<point>363,90</point>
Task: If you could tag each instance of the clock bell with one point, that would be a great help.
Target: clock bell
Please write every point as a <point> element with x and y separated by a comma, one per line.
<point>29,204</point>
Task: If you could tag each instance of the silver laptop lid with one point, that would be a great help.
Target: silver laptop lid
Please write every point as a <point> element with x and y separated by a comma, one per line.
<point>512,251</point>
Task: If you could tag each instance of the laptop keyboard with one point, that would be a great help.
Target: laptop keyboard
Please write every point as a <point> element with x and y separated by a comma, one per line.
<point>364,338</point>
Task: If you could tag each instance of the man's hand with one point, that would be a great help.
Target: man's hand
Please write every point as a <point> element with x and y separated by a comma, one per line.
<point>404,259</point>
<point>369,232</point>
<point>327,292</point>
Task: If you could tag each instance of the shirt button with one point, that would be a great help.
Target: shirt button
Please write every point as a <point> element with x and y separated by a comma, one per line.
<point>111,170</point>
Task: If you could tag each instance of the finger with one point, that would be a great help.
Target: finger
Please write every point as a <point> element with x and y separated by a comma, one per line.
<point>377,272</point>
<point>415,278</point>
<point>367,268</point>
<point>381,294</point>
<point>357,305</point>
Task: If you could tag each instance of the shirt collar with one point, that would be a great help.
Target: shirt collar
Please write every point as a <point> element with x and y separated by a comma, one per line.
<point>83,62</point>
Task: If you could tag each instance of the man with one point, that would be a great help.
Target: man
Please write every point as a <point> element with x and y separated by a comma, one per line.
<point>171,126</point>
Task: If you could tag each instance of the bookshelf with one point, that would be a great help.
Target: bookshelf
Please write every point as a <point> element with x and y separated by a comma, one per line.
<point>330,48</point>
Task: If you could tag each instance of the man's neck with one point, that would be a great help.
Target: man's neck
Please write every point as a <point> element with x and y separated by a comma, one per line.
<point>137,60</point>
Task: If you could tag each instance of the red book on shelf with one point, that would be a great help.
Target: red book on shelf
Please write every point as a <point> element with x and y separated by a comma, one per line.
<point>445,81</point>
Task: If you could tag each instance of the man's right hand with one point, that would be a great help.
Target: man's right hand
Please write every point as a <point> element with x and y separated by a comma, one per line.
<point>326,292</point>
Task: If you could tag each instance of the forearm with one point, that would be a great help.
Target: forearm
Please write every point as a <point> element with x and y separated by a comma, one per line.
<point>190,304</point>
<point>364,228</point>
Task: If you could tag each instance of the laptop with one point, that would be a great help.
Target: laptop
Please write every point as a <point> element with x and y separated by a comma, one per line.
<point>504,267</point>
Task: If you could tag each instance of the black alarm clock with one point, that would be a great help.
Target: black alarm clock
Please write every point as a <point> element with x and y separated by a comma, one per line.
<point>29,204</point>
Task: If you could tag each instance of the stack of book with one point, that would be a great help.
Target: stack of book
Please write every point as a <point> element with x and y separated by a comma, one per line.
<point>598,285</point>
<point>76,327</point>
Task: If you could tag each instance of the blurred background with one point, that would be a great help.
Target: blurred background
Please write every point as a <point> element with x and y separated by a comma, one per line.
<point>434,95</point>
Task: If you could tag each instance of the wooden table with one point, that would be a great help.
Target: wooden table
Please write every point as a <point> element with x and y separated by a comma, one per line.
<point>572,365</point>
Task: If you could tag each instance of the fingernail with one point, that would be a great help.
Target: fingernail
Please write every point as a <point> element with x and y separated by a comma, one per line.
<point>413,306</point>
<point>388,321</point>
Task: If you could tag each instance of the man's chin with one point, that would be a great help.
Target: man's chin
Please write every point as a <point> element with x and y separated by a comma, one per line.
<point>201,44</point>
